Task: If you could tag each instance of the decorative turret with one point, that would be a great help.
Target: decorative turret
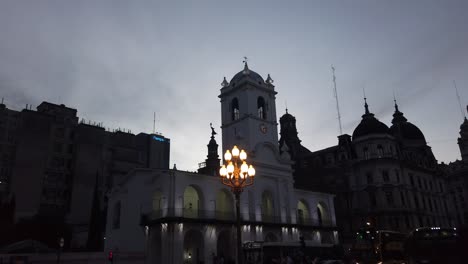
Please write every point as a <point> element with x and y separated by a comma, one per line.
<point>288,132</point>
<point>404,130</point>
<point>212,162</point>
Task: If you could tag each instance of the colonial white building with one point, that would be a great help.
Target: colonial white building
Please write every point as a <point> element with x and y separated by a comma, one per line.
<point>183,217</point>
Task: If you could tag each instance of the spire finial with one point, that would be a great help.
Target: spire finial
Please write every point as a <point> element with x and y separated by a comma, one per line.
<point>269,80</point>
<point>246,67</point>
<point>366,106</point>
<point>224,83</point>
<point>212,131</point>
<point>394,100</point>
<point>286,103</point>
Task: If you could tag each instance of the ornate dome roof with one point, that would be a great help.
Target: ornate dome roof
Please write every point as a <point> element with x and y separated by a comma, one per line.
<point>369,125</point>
<point>246,73</point>
<point>403,129</point>
<point>287,117</point>
<point>407,131</point>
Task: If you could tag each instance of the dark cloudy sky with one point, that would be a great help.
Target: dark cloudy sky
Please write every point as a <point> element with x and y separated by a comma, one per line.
<point>117,62</point>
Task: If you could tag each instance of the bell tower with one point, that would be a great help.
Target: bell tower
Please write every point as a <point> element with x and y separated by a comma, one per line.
<point>248,111</point>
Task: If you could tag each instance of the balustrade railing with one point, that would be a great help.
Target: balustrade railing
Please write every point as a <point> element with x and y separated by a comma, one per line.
<point>190,213</point>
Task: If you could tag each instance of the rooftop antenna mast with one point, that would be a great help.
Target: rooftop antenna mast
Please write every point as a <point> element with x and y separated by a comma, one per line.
<point>459,101</point>
<point>335,93</point>
<point>154,122</point>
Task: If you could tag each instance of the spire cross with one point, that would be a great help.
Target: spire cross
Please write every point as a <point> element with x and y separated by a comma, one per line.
<point>245,60</point>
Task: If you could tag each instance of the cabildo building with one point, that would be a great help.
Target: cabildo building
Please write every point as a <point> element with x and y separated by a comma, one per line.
<point>183,217</point>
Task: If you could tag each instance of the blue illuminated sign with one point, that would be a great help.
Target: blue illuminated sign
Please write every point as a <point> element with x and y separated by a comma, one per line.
<point>159,139</point>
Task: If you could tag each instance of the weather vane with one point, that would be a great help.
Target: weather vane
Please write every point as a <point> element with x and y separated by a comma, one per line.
<point>245,60</point>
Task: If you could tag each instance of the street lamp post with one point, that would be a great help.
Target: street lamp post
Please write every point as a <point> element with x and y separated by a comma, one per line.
<point>237,175</point>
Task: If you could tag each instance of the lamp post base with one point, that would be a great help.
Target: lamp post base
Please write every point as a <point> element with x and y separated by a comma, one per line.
<point>238,226</point>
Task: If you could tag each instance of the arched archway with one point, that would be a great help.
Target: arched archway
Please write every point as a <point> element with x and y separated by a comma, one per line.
<point>157,201</point>
<point>261,110</point>
<point>193,247</point>
<point>225,246</point>
<point>323,216</point>
<point>303,213</point>
<point>224,205</point>
<point>267,206</point>
<point>193,201</point>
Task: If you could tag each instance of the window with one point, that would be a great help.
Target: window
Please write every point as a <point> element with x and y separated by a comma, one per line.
<point>419,183</point>
<point>319,216</point>
<point>389,197</point>
<point>385,176</point>
<point>380,151</point>
<point>261,110</point>
<point>416,201</point>
<point>116,216</point>
<point>369,177</point>
<point>366,153</point>
<point>425,184</point>
<point>235,109</point>
<point>397,174</point>
<point>407,222</point>
<point>430,204</point>
<point>402,196</point>
<point>411,178</point>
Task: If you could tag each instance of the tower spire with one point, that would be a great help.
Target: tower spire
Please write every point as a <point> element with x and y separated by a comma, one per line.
<point>395,102</point>
<point>366,106</point>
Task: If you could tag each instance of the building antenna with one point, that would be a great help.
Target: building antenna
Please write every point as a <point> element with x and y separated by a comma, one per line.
<point>335,93</point>
<point>459,101</point>
<point>154,122</point>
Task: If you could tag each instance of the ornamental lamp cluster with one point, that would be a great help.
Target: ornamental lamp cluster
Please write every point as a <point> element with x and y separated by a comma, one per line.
<point>237,173</point>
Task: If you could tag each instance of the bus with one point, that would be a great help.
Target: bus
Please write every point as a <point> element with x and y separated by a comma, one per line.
<point>381,246</point>
<point>434,245</point>
<point>264,252</point>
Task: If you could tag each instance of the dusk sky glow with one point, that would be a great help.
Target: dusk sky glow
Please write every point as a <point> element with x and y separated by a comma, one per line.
<point>117,62</point>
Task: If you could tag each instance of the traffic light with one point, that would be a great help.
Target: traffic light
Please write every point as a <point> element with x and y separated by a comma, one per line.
<point>301,239</point>
<point>110,257</point>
